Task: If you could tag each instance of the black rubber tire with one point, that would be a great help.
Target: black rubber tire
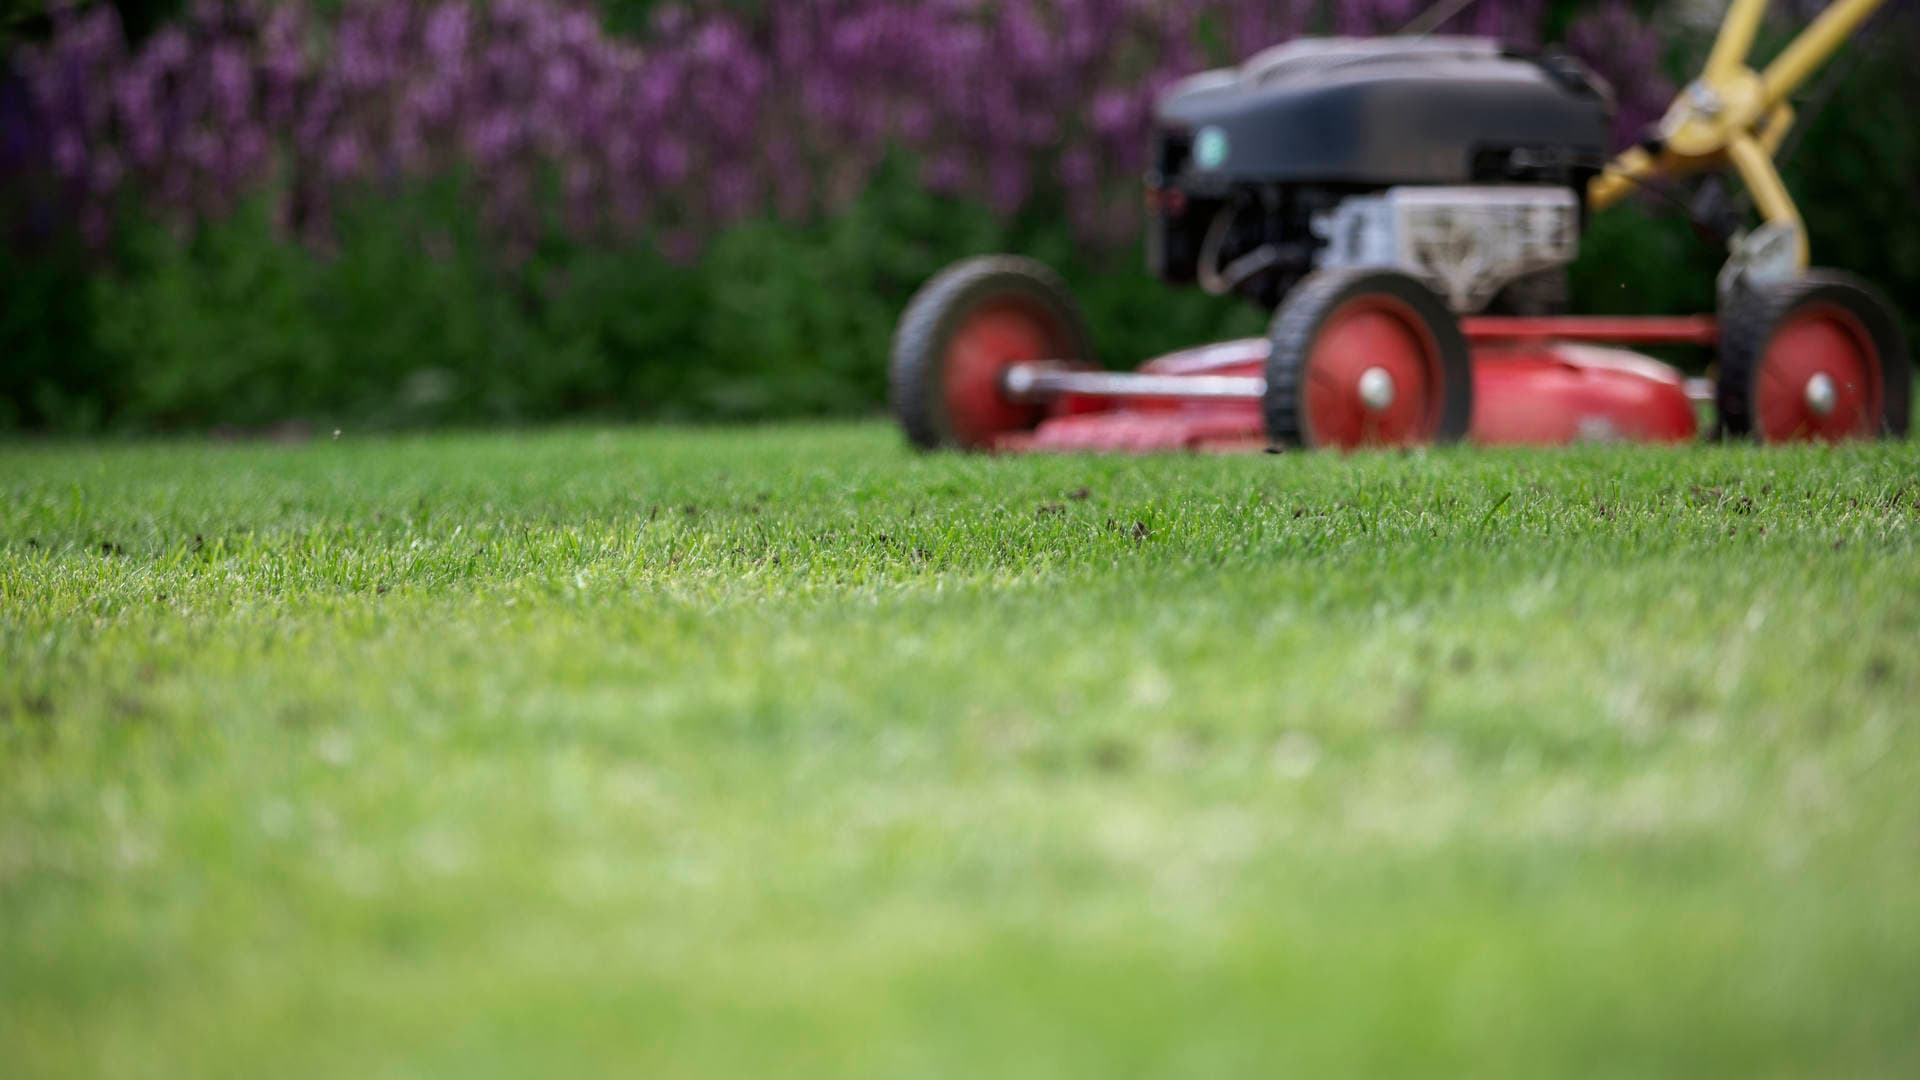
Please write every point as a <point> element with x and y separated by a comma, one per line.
<point>1751,317</point>
<point>920,339</point>
<point>1304,311</point>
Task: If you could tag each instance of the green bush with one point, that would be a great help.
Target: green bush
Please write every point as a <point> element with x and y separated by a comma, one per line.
<point>52,372</point>
<point>413,317</point>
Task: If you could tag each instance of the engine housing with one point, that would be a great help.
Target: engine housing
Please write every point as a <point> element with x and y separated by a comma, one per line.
<point>1247,160</point>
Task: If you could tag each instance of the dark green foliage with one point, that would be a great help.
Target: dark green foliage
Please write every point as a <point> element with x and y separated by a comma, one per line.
<point>52,373</point>
<point>1644,257</point>
<point>408,321</point>
<point>414,317</point>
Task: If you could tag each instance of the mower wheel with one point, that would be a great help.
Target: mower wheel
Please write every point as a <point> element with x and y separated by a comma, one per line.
<point>1366,358</point>
<point>959,335</point>
<point>1817,358</point>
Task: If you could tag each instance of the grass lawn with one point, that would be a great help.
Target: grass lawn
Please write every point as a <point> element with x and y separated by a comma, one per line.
<point>786,751</point>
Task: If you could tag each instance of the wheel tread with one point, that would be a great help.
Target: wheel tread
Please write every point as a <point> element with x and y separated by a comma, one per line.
<point>1748,320</point>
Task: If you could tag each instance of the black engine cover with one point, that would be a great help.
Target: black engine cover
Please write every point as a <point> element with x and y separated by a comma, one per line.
<point>1379,111</point>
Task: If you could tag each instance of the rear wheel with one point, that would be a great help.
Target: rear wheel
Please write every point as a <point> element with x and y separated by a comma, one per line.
<point>959,335</point>
<point>1366,358</point>
<point>1818,358</point>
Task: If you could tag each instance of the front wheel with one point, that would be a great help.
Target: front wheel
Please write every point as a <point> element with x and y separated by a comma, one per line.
<point>1818,358</point>
<point>1366,358</point>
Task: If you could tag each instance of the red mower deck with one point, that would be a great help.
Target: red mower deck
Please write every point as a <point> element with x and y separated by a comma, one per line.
<point>1536,383</point>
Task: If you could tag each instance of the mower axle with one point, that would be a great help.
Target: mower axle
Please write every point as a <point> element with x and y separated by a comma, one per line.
<point>1041,381</point>
<point>1198,374</point>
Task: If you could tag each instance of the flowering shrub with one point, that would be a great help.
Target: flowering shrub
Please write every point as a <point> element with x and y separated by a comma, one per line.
<point>412,212</point>
<point>1631,62</point>
<point>713,117</point>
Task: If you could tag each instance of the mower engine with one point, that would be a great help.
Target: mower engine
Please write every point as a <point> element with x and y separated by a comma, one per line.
<point>1447,158</point>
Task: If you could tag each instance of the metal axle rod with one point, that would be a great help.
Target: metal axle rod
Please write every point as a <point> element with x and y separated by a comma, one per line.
<point>1027,382</point>
<point>1046,380</point>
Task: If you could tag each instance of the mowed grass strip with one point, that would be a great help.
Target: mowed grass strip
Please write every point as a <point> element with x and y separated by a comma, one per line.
<point>787,751</point>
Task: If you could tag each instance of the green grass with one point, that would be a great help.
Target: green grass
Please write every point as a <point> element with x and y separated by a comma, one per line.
<point>788,752</point>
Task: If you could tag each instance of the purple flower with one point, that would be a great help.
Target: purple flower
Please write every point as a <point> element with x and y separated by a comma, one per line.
<point>711,118</point>
<point>1627,52</point>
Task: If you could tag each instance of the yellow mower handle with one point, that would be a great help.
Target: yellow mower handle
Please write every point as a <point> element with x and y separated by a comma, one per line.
<point>1734,115</point>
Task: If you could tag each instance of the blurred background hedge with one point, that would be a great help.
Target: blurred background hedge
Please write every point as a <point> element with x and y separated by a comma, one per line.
<point>396,214</point>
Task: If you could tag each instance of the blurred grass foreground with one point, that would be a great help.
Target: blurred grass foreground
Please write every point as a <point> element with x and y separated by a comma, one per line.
<point>401,213</point>
<point>789,753</point>
<point>783,751</point>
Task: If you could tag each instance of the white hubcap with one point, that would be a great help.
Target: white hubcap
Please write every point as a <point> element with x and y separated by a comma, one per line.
<point>1376,388</point>
<point>1821,394</point>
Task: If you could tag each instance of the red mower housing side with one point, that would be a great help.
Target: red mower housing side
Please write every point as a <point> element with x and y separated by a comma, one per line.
<point>1546,393</point>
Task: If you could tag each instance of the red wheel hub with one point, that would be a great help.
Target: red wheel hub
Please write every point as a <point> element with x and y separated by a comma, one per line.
<point>1819,378</point>
<point>1372,377</point>
<point>990,339</point>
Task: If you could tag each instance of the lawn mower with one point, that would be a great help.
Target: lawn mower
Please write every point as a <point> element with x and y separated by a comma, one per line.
<point>1406,208</point>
